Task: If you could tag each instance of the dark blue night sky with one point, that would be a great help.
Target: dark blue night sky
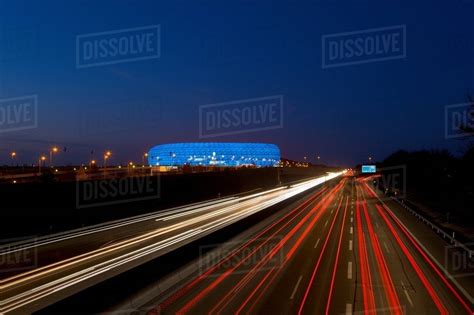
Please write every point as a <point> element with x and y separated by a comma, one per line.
<point>219,51</point>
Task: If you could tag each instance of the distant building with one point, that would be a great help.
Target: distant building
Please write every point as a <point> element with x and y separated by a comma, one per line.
<point>220,154</point>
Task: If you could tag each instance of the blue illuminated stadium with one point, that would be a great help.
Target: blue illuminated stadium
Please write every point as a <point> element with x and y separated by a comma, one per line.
<point>214,154</point>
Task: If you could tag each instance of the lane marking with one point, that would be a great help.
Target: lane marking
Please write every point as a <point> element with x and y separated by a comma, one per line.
<point>317,243</point>
<point>338,255</point>
<point>296,288</point>
<point>351,230</point>
<point>390,291</point>
<point>406,293</point>
<point>316,267</point>
<point>349,270</point>
<point>350,245</point>
<point>348,309</point>
<point>386,247</point>
<point>326,223</point>
<point>72,279</point>
<point>352,219</point>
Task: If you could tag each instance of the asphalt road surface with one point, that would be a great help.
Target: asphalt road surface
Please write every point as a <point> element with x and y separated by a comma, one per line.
<point>59,274</point>
<point>343,250</point>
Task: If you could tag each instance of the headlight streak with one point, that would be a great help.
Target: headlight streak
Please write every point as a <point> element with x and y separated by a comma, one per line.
<point>248,208</point>
<point>113,225</point>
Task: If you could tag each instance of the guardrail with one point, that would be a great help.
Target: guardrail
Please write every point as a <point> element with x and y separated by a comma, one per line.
<point>435,228</point>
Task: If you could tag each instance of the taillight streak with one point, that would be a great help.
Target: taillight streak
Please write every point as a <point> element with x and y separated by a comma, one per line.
<point>221,278</point>
<point>265,288</point>
<point>432,265</point>
<point>337,258</point>
<point>442,309</point>
<point>424,255</point>
<point>318,263</point>
<point>367,291</point>
<point>323,204</point>
<point>390,291</point>
<point>294,212</point>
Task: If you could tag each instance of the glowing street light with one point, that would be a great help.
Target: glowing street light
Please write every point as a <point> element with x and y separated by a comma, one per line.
<point>130,166</point>
<point>107,155</point>
<point>42,159</point>
<point>51,152</point>
<point>13,155</point>
<point>144,157</point>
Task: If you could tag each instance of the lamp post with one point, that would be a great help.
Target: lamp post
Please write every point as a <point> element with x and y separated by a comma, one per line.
<point>41,160</point>
<point>107,155</point>
<point>144,156</point>
<point>51,152</point>
<point>13,155</point>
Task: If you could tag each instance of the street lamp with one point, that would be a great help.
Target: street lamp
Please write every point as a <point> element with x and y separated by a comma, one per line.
<point>370,158</point>
<point>41,160</point>
<point>51,152</point>
<point>145,155</point>
<point>13,155</point>
<point>107,155</point>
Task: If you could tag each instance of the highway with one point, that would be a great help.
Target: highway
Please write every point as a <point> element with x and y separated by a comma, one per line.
<point>342,250</point>
<point>70,262</point>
